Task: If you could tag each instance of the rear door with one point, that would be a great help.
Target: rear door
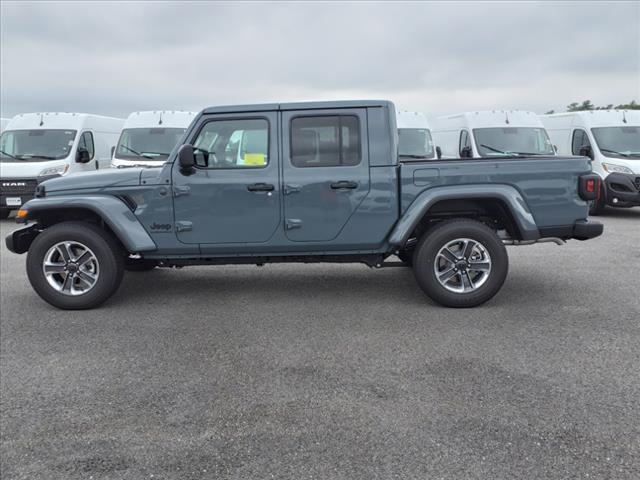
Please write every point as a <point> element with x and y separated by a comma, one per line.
<point>325,171</point>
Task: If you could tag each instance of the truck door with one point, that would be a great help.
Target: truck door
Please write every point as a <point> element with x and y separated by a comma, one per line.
<point>233,195</point>
<point>325,171</point>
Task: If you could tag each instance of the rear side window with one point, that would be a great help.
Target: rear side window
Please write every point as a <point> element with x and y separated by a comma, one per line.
<point>86,141</point>
<point>325,141</point>
<point>580,139</point>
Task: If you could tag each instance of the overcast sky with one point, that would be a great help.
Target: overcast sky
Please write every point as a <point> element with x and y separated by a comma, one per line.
<point>114,58</point>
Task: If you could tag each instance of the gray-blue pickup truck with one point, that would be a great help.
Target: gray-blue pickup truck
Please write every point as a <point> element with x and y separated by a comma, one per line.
<point>301,182</point>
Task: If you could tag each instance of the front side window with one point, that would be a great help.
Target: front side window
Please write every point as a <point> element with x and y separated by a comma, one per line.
<point>325,141</point>
<point>415,143</point>
<point>580,139</point>
<point>147,143</point>
<point>86,141</point>
<point>240,143</point>
<point>618,142</point>
<point>464,145</point>
<point>512,141</point>
<point>35,145</point>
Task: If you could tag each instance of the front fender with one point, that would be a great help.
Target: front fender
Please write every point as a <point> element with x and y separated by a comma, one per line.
<point>112,210</point>
<point>424,201</point>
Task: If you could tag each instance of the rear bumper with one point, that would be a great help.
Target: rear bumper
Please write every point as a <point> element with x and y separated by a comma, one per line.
<point>581,230</point>
<point>622,189</point>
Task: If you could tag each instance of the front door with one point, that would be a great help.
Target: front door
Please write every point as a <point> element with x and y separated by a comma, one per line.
<point>325,171</point>
<point>233,194</point>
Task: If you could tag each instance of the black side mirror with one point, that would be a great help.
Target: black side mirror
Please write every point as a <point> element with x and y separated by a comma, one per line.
<point>465,152</point>
<point>438,153</point>
<point>186,158</point>
<point>113,150</point>
<point>586,151</point>
<point>82,155</point>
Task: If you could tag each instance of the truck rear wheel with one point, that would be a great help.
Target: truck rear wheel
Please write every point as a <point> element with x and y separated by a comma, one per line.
<point>460,263</point>
<point>74,265</point>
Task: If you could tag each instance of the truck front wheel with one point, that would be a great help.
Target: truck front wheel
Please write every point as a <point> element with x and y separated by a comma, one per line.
<point>460,263</point>
<point>74,265</point>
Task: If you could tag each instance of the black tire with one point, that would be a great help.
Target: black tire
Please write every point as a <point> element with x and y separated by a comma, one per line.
<point>108,255</point>
<point>596,207</point>
<point>139,264</point>
<point>4,213</point>
<point>437,238</point>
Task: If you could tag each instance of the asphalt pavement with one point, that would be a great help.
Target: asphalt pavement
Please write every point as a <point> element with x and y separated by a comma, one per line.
<point>330,372</point>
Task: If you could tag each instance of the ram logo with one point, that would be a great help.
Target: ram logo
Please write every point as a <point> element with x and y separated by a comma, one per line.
<point>14,184</point>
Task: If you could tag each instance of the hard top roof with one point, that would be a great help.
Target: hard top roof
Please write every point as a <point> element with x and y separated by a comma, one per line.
<point>263,107</point>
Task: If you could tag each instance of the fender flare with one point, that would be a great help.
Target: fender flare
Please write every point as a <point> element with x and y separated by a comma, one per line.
<point>424,201</point>
<point>113,211</point>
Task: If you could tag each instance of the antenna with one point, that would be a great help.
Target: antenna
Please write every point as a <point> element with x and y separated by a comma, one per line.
<point>624,117</point>
<point>41,119</point>
<point>506,118</point>
<point>160,121</point>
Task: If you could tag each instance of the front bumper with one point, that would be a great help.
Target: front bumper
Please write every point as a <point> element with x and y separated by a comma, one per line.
<point>622,189</point>
<point>20,240</point>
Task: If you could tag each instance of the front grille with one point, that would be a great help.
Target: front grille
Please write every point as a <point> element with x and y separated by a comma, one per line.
<point>17,186</point>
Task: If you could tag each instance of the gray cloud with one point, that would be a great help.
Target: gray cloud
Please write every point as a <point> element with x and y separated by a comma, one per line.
<point>114,58</point>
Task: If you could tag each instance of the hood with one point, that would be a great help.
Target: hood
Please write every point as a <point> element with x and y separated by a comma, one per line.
<point>111,177</point>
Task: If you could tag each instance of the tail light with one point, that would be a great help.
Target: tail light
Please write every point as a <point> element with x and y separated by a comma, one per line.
<point>589,187</point>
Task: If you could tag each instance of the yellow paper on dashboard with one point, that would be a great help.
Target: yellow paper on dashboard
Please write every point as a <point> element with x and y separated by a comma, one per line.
<point>255,159</point>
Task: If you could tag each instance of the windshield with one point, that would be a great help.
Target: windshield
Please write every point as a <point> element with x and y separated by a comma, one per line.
<point>149,143</point>
<point>35,145</point>
<point>512,141</point>
<point>415,143</point>
<point>618,142</point>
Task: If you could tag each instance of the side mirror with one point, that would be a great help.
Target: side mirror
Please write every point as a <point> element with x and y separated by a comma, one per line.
<point>465,152</point>
<point>586,151</point>
<point>186,158</point>
<point>113,150</point>
<point>438,153</point>
<point>82,155</point>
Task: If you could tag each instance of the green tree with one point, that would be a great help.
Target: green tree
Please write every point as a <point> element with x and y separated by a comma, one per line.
<point>633,105</point>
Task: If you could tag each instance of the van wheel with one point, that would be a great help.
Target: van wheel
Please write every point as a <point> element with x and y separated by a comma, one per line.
<point>460,263</point>
<point>74,265</point>
<point>139,264</point>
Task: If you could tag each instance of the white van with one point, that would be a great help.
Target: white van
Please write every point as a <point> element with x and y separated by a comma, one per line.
<point>38,146</point>
<point>148,137</point>
<point>612,139</point>
<point>491,133</point>
<point>3,123</point>
<point>414,136</point>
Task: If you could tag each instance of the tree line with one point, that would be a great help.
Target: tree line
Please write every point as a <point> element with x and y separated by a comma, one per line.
<point>587,105</point>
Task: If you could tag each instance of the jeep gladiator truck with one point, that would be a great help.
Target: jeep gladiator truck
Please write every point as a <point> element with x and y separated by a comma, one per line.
<point>301,182</point>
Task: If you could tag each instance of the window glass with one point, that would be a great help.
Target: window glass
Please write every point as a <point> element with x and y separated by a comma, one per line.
<point>148,143</point>
<point>464,141</point>
<point>618,142</point>
<point>233,144</point>
<point>580,139</point>
<point>328,141</point>
<point>415,143</point>
<point>86,141</point>
<point>496,141</point>
<point>35,145</point>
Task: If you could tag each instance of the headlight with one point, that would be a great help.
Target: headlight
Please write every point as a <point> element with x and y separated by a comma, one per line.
<point>612,168</point>
<point>51,171</point>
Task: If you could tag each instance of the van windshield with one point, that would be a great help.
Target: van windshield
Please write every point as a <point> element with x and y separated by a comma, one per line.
<point>35,145</point>
<point>149,143</point>
<point>618,142</point>
<point>512,141</point>
<point>415,143</point>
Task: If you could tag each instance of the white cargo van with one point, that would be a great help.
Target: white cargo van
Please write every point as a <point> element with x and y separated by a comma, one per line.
<point>612,139</point>
<point>3,123</point>
<point>414,136</point>
<point>491,133</point>
<point>38,146</point>
<point>148,137</point>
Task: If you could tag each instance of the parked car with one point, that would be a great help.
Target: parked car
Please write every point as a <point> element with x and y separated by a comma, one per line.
<point>491,133</point>
<point>38,146</point>
<point>149,137</point>
<point>324,184</point>
<point>414,136</point>
<point>611,138</point>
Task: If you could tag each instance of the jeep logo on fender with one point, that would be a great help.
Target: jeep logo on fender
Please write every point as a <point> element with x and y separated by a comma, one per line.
<point>160,226</point>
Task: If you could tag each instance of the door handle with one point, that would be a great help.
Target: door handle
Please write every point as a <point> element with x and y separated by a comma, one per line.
<point>344,184</point>
<point>260,187</point>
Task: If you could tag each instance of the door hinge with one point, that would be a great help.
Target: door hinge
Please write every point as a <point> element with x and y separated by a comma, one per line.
<point>184,226</point>
<point>181,190</point>
<point>288,189</point>
<point>291,223</point>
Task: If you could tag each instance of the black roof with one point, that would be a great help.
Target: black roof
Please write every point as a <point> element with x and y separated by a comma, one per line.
<point>262,107</point>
